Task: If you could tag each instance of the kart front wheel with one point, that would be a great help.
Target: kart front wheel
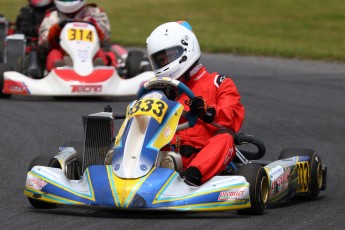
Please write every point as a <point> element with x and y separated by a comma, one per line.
<point>317,176</point>
<point>257,178</point>
<point>43,161</point>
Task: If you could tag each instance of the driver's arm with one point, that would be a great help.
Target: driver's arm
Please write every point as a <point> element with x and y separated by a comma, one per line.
<point>99,18</point>
<point>43,31</point>
<point>229,110</point>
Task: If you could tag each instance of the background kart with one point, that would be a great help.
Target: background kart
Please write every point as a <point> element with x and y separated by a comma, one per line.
<point>135,179</point>
<point>79,76</point>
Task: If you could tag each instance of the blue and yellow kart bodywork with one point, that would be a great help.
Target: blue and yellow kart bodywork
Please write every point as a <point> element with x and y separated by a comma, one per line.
<point>135,180</point>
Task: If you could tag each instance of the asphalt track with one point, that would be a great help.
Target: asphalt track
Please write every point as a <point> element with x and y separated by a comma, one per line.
<point>289,103</point>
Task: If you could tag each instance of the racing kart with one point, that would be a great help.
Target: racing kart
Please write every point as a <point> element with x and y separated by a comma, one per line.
<point>79,75</point>
<point>129,172</point>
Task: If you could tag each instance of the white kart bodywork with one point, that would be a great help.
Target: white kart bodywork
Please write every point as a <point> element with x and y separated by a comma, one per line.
<point>81,43</point>
<point>54,85</point>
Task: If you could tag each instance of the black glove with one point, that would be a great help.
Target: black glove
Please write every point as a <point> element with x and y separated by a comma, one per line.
<point>199,108</point>
<point>209,115</point>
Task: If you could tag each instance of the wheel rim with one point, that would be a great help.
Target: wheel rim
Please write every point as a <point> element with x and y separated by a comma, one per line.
<point>264,189</point>
<point>319,175</point>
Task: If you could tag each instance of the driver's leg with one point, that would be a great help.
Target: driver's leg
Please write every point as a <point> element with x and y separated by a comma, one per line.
<point>54,56</point>
<point>212,159</point>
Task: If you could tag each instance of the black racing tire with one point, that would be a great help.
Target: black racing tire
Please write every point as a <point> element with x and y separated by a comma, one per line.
<point>4,67</point>
<point>316,173</point>
<point>43,161</point>
<point>257,178</point>
<point>133,61</point>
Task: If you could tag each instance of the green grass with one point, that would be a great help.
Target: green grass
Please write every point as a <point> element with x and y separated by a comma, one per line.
<point>312,29</point>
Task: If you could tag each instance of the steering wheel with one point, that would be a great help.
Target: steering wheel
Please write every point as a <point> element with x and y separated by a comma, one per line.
<point>182,88</point>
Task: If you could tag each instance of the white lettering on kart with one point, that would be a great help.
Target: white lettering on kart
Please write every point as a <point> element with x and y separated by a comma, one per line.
<point>86,88</point>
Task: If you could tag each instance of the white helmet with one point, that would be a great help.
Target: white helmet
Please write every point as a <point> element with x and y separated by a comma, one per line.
<point>172,49</point>
<point>69,6</point>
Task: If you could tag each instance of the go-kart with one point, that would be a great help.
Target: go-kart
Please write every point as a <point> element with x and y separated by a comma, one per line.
<point>129,172</point>
<point>79,75</point>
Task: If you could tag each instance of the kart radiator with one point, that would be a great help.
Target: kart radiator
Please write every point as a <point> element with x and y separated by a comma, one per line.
<point>15,51</point>
<point>99,138</point>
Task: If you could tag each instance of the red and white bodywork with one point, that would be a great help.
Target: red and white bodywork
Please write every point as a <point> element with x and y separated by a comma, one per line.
<point>80,41</point>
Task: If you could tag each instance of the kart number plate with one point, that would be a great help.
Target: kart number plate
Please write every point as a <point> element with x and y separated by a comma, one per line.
<point>80,35</point>
<point>151,107</point>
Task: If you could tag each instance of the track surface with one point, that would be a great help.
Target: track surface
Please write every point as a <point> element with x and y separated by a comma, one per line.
<point>289,103</point>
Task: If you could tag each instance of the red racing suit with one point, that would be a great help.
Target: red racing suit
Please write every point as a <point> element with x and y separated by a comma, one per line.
<point>216,149</point>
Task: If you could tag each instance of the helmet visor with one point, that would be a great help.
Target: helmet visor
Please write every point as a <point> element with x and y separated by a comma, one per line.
<point>165,57</point>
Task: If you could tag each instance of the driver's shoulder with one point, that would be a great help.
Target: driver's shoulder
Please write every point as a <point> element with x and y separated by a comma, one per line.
<point>91,7</point>
<point>51,13</point>
<point>220,78</point>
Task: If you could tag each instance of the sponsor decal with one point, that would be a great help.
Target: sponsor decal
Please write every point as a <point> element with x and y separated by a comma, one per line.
<point>36,183</point>
<point>117,167</point>
<point>226,181</point>
<point>14,87</point>
<point>48,172</point>
<point>219,79</point>
<point>77,24</point>
<point>143,167</point>
<point>276,172</point>
<point>200,75</point>
<point>280,183</point>
<point>86,88</point>
<point>228,156</point>
<point>303,176</point>
<point>167,131</point>
<point>231,195</point>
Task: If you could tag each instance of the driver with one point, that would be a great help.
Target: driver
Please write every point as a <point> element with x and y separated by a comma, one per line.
<point>50,29</point>
<point>174,52</point>
<point>27,22</point>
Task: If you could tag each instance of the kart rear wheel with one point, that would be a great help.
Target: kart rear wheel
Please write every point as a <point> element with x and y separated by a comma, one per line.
<point>4,67</point>
<point>316,171</point>
<point>257,178</point>
<point>43,161</point>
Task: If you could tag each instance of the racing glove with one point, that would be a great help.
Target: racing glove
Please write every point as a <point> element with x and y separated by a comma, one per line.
<point>199,108</point>
<point>54,35</point>
<point>209,115</point>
